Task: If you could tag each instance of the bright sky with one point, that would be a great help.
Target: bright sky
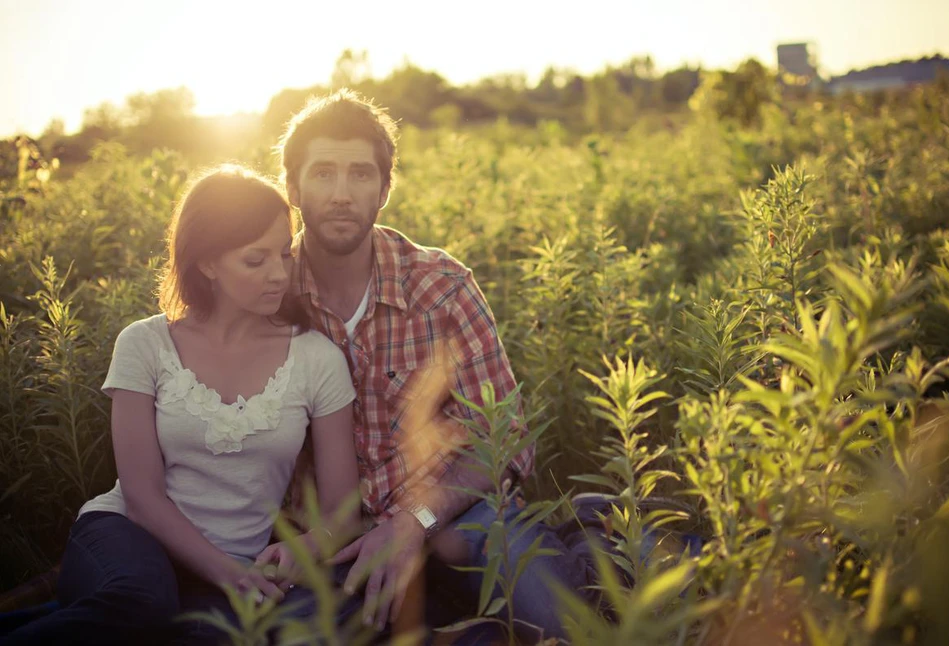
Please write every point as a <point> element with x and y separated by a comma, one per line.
<point>58,57</point>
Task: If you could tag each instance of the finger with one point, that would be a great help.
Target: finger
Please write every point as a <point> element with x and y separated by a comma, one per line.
<point>386,599</point>
<point>285,585</point>
<point>349,552</point>
<point>272,591</point>
<point>400,580</point>
<point>372,600</point>
<point>269,588</point>
<point>398,596</point>
<point>243,585</point>
<point>408,572</point>
<point>266,555</point>
<point>285,560</point>
<point>289,572</point>
<point>356,573</point>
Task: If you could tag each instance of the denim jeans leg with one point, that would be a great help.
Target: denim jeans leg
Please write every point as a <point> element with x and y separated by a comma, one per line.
<point>116,586</point>
<point>199,596</point>
<point>535,601</point>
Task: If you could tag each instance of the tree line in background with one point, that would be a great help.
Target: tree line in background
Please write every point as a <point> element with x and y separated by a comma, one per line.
<point>610,100</point>
<point>767,279</point>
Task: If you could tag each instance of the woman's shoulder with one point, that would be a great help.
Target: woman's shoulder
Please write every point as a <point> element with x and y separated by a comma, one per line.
<point>318,355</point>
<point>311,341</point>
<point>143,329</point>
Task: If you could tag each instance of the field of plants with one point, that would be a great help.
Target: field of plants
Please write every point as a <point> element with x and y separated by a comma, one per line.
<point>741,330</point>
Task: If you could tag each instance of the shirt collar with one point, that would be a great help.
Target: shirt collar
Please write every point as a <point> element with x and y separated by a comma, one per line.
<point>386,270</point>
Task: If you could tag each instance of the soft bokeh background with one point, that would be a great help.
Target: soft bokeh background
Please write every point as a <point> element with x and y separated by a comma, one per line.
<point>759,252</point>
<point>60,57</point>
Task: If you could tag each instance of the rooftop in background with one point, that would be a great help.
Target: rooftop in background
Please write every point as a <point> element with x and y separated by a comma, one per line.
<point>891,75</point>
<point>798,66</point>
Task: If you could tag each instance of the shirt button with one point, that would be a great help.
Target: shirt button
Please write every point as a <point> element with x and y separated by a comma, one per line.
<point>344,342</point>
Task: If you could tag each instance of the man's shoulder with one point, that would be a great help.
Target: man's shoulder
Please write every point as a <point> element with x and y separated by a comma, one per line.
<point>417,258</point>
<point>429,276</point>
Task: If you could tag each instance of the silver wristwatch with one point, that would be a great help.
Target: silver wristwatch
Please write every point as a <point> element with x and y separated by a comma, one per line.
<point>425,516</point>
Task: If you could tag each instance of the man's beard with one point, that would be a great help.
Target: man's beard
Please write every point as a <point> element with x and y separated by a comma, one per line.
<point>337,244</point>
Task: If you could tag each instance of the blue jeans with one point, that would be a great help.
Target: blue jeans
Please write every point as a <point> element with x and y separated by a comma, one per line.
<point>534,599</point>
<point>117,585</point>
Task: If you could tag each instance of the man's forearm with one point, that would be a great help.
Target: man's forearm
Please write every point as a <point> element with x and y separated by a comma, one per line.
<point>447,500</point>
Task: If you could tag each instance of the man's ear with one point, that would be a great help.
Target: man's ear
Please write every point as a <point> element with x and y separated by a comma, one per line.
<point>293,194</point>
<point>384,197</point>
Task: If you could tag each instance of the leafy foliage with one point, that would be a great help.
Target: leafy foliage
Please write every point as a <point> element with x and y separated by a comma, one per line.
<point>771,299</point>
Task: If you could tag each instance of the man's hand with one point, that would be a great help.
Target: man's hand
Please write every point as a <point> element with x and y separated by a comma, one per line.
<point>399,542</point>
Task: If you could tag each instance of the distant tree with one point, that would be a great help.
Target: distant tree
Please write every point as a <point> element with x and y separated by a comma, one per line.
<point>606,107</point>
<point>737,95</point>
<point>284,105</point>
<point>678,85</point>
<point>550,86</point>
<point>163,106</point>
<point>447,115</point>
<point>473,106</point>
<point>104,121</point>
<point>351,70</point>
<point>411,93</point>
<point>162,119</point>
<point>509,96</point>
<point>55,129</point>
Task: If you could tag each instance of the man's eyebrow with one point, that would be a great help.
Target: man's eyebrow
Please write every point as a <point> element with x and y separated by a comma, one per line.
<point>319,163</point>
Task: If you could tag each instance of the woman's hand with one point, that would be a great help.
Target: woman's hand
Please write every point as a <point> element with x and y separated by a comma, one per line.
<point>249,579</point>
<point>278,565</point>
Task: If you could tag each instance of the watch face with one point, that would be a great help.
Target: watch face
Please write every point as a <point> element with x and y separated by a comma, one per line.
<point>425,516</point>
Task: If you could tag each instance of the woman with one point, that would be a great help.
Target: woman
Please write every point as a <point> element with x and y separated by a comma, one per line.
<point>211,402</point>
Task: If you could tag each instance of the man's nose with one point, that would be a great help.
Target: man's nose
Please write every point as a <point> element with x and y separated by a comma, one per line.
<point>341,191</point>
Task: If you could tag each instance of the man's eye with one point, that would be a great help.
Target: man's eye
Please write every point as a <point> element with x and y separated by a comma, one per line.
<point>253,263</point>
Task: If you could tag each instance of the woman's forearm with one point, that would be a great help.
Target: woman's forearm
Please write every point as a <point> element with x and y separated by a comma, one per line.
<point>183,541</point>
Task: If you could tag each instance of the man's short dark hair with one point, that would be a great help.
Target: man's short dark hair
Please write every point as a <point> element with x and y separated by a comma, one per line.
<point>342,115</point>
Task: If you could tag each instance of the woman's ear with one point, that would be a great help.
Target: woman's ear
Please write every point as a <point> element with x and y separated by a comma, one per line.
<point>207,268</point>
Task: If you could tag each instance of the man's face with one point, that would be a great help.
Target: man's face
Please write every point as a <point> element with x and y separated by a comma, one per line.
<point>339,191</point>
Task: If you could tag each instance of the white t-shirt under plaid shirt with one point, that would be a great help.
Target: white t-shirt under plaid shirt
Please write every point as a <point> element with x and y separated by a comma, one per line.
<point>227,466</point>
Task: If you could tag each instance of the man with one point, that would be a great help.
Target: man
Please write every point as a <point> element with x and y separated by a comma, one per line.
<point>390,305</point>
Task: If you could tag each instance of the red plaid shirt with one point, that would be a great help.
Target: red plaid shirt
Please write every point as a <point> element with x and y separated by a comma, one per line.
<point>419,297</point>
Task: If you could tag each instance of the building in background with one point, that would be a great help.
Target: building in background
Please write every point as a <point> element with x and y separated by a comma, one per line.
<point>797,64</point>
<point>899,75</point>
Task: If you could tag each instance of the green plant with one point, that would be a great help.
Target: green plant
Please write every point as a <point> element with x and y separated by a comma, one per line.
<point>492,446</point>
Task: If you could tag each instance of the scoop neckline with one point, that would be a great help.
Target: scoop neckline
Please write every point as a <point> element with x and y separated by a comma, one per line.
<point>237,403</point>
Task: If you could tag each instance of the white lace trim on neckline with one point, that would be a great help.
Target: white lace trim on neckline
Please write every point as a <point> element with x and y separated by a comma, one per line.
<point>228,424</point>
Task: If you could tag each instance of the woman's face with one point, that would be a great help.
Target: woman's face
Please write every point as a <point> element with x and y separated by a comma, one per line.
<point>254,277</point>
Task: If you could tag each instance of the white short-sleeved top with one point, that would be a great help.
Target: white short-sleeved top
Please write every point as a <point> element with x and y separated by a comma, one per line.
<point>227,467</point>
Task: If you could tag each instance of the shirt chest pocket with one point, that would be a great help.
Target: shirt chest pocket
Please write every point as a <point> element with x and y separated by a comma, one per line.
<point>391,386</point>
<point>400,384</point>
<point>414,388</point>
<point>415,395</point>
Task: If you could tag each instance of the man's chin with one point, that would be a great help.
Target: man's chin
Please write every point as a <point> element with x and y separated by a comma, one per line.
<point>339,246</point>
